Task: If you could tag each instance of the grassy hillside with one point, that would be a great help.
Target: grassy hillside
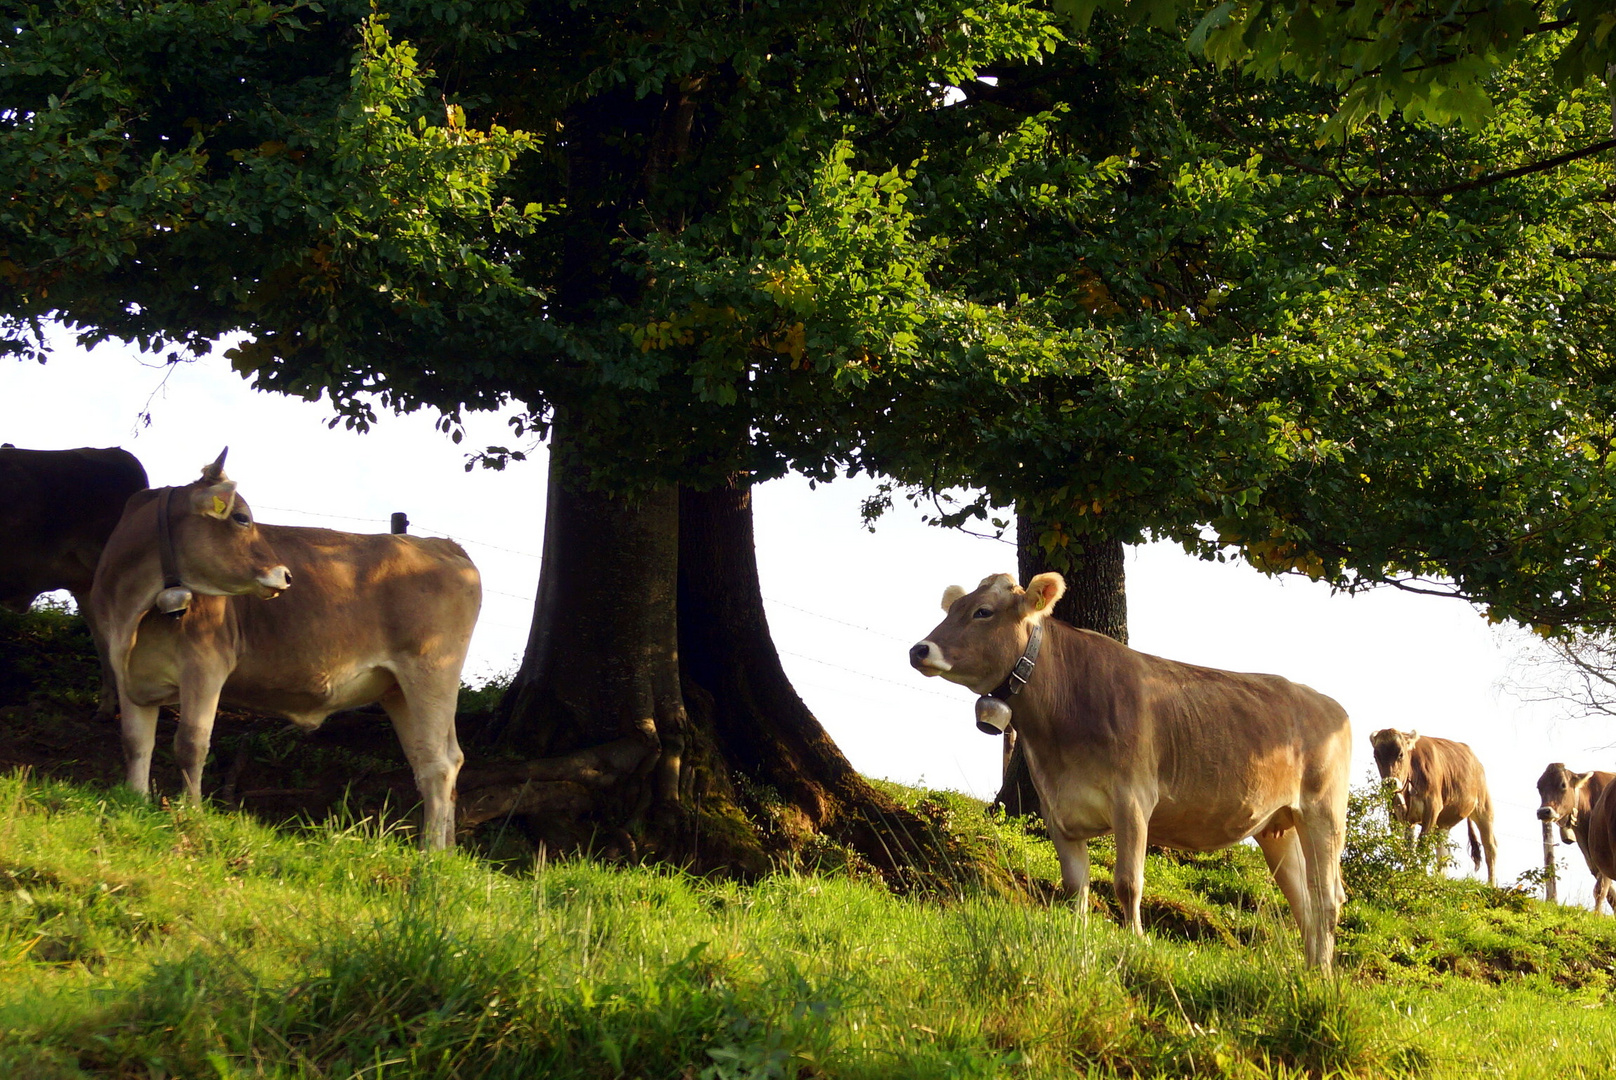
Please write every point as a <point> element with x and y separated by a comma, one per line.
<point>159,942</point>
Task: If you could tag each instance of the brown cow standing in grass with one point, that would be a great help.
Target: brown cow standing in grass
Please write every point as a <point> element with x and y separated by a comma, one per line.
<point>1568,799</point>
<point>1156,751</point>
<point>187,592</point>
<point>1437,784</point>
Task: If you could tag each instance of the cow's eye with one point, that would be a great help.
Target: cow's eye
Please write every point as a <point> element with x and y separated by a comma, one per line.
<point>241,519</point>
<point>983,613</point>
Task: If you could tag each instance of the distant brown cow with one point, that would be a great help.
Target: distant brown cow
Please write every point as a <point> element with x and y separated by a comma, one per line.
<point>1602,834</point>
<point>1568,799</point>
<point>190,593</point>
<point>1155,751</point>
<point>1438,783</point>
<point>57,508</point>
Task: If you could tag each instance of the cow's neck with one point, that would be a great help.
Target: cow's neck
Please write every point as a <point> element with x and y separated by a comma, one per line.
<point>1072,683</point>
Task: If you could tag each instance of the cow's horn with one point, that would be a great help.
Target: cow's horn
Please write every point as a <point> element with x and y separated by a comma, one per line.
<point>212,473</point>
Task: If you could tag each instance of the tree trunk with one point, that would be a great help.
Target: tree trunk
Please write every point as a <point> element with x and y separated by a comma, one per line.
<point>656,718</point>
<point>1096,599</point>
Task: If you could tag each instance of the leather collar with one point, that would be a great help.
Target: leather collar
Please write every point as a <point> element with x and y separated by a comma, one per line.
<point>172,584</point>
<point>1022,671</point>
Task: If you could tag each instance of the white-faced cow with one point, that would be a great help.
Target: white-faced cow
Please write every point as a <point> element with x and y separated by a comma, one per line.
<point>190,591</point>
<point>1156,751</point>
<point>1567,799</point>
<point>1438,783</point>
<point>57,508</point>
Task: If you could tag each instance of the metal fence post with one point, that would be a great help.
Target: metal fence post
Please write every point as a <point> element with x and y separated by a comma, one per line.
<point>401,523</point>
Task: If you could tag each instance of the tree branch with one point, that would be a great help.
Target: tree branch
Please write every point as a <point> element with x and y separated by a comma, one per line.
<point>1491,178</point>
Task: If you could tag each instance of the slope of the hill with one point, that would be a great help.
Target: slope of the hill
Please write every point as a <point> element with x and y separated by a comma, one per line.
<point>307,938</point>
<point>144,941</point>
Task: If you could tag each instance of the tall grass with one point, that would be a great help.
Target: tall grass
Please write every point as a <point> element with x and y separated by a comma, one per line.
<point>161,942</point>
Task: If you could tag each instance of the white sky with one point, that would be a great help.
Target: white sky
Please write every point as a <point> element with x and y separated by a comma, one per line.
<point>844,604</point>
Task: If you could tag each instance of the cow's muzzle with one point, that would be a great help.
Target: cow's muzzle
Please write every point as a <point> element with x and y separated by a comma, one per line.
<point>1546,813</point>
<point>1392,784</point>
<point>274,581</point>
<point>927,659</point>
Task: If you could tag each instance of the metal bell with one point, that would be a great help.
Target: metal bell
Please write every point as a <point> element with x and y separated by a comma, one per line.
<point>173,601</point>
<point>992,715</point>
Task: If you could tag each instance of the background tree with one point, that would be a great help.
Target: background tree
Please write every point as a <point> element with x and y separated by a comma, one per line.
<point>267,181</point>
<point>1123,292</point>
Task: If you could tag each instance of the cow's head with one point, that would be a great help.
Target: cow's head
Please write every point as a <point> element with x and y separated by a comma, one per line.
<point>985,631</point>
<point>1560,795</point>
<point>218,545</point>
<point>1394,757</point>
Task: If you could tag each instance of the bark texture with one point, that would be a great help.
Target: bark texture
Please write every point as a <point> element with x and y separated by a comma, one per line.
<point>1096,599</point>
<point>654,719</point>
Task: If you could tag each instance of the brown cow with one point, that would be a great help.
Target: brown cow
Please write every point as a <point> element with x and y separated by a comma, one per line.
<point>1568,799</point>
<point>57,508</point>
<point>1438,783</point>
<point>363,619</point>
<point>1602,834</point>
<point>1156,751</point>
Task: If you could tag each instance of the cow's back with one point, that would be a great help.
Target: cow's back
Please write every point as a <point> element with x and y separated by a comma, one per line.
<point>358,595</point>
<point>1451,771</point>
<point>1231,747</point>
<point>1218,752</point>
<point>1602,833</point>
<point>57,508</point>
<point>361,609</point>
<point>1598,783</point>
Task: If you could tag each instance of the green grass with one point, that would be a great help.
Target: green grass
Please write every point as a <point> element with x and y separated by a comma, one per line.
<point>140,941</point>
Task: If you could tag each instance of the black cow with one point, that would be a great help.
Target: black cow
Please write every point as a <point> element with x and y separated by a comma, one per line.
<point>57,508</point>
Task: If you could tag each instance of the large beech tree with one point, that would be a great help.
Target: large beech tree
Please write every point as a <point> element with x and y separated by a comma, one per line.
<point>703,246</point>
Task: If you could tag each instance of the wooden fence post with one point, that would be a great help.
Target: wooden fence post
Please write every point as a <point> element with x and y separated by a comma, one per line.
<point>1548,863</point>
<point>401,523</point>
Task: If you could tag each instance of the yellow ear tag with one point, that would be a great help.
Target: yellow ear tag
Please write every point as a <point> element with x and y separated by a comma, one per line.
<point>218,506</point>
<point>1039,606</point>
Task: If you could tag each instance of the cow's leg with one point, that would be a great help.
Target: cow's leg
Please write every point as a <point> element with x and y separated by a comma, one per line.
<point>139,726</point>
<point>1322,832</point>
<point>199,705</point>
<point>1602,887</point>
<point>1289,867</point>
<point>1482,819</point>
<point>1074,866</point>
<point>423,715</point>
<point>1128,876</point>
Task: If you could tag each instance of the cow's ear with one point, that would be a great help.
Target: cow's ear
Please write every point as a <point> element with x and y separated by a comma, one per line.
<point>1410,738</point>
<point>951,594</point>
<point>1043,592</point>
<point>215,500</point>
<point>215,472</point>
<point>1578,779</point>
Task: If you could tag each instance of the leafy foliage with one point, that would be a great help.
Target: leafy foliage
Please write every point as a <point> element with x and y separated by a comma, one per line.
<point>171,192</point>
<point>1064,264</point>
<point>1428,59</point>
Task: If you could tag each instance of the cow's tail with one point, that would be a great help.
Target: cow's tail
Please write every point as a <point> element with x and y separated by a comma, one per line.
<point>1475,843</point>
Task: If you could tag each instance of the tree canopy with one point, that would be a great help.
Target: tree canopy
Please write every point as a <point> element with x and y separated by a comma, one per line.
<point>1060,261</point>
<point>1428,59</point>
